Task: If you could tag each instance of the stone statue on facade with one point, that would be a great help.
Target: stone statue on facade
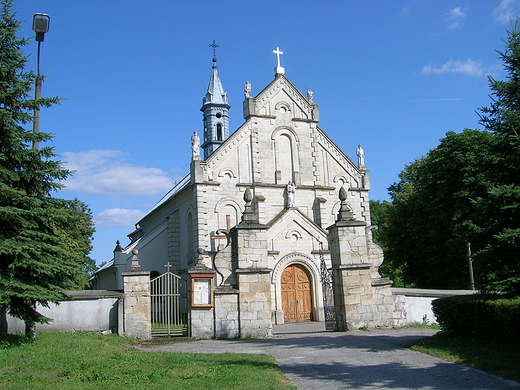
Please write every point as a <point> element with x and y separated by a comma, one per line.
<point>247,90</point>
<point>291,189</point>
<point>310,95</point>
<point>361,156</point>
<point>195,146</point>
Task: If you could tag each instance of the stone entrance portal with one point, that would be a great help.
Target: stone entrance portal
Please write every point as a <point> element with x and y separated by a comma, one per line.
<point>296,294</point>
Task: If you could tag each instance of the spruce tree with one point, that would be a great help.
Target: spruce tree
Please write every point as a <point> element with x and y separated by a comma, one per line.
<point>44,241</point>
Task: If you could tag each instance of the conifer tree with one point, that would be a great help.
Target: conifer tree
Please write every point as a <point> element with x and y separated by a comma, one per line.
<point>44,241</point>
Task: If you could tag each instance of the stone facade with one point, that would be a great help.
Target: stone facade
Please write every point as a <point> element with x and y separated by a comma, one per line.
<point>263,204</point>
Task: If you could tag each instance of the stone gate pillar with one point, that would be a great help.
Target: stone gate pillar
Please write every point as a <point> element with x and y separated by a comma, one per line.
<point>202,314</point>
<point>351,271</point>
<point>350,275</point>
<point>249,253</point>
<point>137,312</point>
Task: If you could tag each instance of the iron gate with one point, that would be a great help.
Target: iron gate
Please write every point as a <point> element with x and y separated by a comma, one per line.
<point>328,294</point>
<point>169,314</point>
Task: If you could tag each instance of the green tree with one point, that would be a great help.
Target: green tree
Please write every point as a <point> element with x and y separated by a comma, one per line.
<point>380,215</point>
<point>500,208</point>
<point>434,211</point>
<point>44,241</point>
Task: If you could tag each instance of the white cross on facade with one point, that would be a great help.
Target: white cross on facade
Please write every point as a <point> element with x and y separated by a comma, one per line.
<point>278,52</point>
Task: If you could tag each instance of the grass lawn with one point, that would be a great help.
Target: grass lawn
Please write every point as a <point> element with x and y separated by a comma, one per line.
<point>498,358</point>
<point>92,361</point>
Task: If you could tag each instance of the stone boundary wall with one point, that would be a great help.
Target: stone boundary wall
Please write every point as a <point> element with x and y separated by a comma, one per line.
<point>100,310</point>
<point>87,311</point>
<point>418,302</point>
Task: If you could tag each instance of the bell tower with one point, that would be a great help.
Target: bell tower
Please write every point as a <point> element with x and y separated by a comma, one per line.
<point>215,109</point>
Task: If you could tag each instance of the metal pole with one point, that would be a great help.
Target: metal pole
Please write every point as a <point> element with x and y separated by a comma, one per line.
<point>37,96</point>
<point>470,263</point>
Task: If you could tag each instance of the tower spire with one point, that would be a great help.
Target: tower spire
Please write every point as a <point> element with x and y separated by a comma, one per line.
<point>215,110</point>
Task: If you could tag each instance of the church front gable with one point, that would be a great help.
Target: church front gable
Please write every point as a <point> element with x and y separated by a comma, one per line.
<point>293,231</point>
<point>281,98</point>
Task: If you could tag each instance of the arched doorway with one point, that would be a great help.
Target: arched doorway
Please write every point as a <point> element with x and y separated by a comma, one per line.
<point>296,294</point>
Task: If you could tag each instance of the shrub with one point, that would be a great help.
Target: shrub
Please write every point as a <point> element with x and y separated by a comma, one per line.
<point>484,316</point>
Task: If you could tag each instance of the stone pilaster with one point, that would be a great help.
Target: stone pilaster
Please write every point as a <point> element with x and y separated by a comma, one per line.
<point>137,313</point>
<point>174,242</point>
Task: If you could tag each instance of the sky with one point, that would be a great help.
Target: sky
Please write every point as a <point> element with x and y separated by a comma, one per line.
<point>394,76</point>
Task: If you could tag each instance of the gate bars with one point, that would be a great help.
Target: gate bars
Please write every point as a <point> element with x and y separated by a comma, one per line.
<point>328,294</point>
<point>169,317</point>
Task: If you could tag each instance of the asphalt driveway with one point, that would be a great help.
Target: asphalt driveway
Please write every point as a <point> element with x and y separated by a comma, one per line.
<point>315,359</point>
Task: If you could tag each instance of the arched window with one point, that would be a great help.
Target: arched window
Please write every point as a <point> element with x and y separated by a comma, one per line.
<point>219,131</point>
<point>284,159</point>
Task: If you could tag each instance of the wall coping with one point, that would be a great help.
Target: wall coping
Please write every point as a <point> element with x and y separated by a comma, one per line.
<point>92,294</point>
<point>432,293</point>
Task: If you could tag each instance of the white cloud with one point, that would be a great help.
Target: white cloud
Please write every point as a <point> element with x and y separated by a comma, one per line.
<point>455,17</point>
<point>506,11</point>
<point>468,68</point>
<point>118,217</point>
<point>106,172</point>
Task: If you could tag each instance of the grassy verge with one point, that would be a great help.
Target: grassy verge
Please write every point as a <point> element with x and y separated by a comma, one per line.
<point>500,359</point>
<point>92,361</point>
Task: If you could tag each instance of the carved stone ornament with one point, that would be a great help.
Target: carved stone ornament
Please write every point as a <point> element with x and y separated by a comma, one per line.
<point>248,196</point>
<point>342,194</point>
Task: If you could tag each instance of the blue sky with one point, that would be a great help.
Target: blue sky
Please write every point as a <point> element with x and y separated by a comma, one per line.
<point>394,76</point>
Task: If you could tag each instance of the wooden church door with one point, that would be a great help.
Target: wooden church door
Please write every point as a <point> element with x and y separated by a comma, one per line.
<point>296,294</point>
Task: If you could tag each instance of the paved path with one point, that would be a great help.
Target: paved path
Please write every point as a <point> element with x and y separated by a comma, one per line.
<point>315,359</point>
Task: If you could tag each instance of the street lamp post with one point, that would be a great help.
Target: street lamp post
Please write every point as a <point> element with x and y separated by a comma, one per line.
<point>470,262</point>
<point>40,27</point>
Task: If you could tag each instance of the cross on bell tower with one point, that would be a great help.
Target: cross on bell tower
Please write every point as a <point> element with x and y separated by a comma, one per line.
<point>214,45</point>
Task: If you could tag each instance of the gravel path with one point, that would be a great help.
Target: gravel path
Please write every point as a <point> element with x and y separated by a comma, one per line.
<point>315,359</point>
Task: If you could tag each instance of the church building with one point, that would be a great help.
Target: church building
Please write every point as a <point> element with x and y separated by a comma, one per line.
<point>271,210</point>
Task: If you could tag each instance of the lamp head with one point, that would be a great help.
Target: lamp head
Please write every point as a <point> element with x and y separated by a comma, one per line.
<point>41,25</point>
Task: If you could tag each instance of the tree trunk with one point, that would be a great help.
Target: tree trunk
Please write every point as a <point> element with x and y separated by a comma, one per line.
<point>30,325</point>
<point>3,320</point>
<point>30,329</point>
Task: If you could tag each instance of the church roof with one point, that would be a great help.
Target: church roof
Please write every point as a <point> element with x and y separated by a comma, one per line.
<point>176,189</point>
<point>215,93</point>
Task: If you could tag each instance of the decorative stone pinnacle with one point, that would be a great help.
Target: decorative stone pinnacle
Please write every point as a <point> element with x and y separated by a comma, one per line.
<point>249,216</point>
<point>200,257</point>
<point>118,247</point>
<point>345,213</point>
<point>342,194</point>
<point>135,260</point>
<point>248,197</point>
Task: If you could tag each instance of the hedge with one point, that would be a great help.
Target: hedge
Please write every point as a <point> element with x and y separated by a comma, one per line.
<point>483,316</point>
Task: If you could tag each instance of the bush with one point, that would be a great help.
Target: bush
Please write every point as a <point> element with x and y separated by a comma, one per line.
<point>483,316</point>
